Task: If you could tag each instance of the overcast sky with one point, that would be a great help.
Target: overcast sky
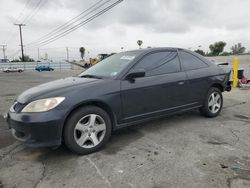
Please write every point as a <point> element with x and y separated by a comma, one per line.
<point>175,23</point>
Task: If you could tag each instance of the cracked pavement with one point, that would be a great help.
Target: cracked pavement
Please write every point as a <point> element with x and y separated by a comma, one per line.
<point>185,150</point>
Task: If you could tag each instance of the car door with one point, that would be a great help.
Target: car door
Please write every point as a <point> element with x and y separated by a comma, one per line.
<point>197,72</point>
<point>159,91</point>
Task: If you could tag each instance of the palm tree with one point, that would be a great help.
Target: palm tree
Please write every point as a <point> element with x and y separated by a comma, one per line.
<point>139,42</point>
<point>82,51</point>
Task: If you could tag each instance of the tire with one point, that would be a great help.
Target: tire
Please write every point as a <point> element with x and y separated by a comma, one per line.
<point>213,103</point>
<point>83,132</point>
<point>20,71</point>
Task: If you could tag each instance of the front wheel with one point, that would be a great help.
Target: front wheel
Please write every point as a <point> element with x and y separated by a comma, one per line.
<point>213,103</point>
<point>87,130</point>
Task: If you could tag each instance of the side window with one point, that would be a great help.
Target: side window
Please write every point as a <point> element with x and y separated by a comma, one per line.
<point>191,62</point>
<point>159,63</point>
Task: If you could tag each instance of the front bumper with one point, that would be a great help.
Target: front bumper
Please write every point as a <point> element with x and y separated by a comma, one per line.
<point>37,129</point>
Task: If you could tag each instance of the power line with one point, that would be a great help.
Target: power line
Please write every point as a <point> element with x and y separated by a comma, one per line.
<point>25,19</point>
<point>31,11</point>
<point>80,24</point>
<point>36,10</point>
<point>16,20</point>
<point>58,36</point>
<point>70,22</point>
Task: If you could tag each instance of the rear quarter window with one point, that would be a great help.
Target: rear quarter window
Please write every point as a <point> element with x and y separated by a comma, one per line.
<point>191,62</point>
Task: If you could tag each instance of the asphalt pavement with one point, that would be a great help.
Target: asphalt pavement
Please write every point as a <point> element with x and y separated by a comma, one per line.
<point>185,150</point>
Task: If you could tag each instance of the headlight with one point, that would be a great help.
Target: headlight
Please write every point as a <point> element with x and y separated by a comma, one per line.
<point>43,105</point>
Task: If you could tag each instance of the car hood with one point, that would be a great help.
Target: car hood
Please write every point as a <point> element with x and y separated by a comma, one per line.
<point>51,89</point>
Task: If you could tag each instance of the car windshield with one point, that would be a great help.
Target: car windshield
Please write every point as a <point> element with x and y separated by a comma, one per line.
<point>111,66</point>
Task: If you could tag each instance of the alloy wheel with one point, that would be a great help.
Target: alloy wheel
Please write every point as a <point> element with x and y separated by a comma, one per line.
<point>214,102</point>
<point>89,131</point>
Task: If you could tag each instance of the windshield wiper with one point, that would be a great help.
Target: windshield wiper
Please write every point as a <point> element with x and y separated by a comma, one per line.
<point>90,76</point>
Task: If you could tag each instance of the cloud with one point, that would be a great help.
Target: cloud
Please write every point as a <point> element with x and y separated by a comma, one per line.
<point>182,23</point>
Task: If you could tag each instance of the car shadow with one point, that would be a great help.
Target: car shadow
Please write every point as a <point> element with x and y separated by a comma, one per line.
<point>118,141</point>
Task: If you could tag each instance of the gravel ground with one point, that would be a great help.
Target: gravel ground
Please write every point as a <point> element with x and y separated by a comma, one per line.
<point>185,150</point>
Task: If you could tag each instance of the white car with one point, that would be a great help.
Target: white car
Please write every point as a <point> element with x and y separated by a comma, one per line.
<point>13,69</point>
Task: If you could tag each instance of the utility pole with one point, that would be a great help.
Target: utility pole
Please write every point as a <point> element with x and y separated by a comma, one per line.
<point>21,38</point>
<point>38,54</point>
<point>67,50</point>
<point>3,47</point>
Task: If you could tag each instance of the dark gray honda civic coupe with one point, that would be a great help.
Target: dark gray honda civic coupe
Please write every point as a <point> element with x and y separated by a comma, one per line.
<point>124,89</point>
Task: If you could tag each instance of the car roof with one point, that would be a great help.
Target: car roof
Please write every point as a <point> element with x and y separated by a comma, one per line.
<point>155,49</point>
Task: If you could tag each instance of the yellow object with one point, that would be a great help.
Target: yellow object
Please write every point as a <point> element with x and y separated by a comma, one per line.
<point>236,66</point>
<point>93,61</point>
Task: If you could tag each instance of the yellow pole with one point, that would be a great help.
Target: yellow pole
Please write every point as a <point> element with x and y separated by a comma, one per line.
<point>236,66</point>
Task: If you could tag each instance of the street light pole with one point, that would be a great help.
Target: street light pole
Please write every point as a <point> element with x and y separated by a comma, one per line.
<point>3,47</point>
<point>38,54</point>
<point>21,38</point>
<point>67,50</point>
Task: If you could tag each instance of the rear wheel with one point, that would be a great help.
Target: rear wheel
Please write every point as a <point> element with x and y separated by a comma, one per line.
<point>87,130</point>
<point>213,103</point>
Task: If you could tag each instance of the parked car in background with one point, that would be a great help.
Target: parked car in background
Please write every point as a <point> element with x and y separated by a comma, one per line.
<point>13,69</point>
<point>121,90</point>
<point>4,61</point>
<point>43,68</point>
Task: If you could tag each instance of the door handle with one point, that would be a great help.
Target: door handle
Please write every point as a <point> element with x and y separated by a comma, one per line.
<point>181,82</point>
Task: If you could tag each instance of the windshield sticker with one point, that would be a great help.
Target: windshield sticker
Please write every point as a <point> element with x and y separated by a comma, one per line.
<point>126,57</point>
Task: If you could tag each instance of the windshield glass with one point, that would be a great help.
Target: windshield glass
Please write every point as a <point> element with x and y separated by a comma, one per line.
<point>112,65</point>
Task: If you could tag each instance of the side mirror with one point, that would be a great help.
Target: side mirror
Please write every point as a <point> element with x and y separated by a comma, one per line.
<point>135,74</point>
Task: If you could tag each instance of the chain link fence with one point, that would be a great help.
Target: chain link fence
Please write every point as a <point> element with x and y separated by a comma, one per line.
<point>32,65</point>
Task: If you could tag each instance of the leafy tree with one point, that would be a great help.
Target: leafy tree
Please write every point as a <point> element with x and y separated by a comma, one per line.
<point>225,54</point>
<point>26,58</point>
<point>15,60</point>
<point>82,51</point>
<point>201,52</point>
<point>238,49</point>
<point>217,48</point>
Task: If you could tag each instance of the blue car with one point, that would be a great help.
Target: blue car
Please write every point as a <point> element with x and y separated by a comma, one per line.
<point>43,68</point>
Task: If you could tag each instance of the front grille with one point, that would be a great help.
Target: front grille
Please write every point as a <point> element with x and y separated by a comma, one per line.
<point>18,107</point>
